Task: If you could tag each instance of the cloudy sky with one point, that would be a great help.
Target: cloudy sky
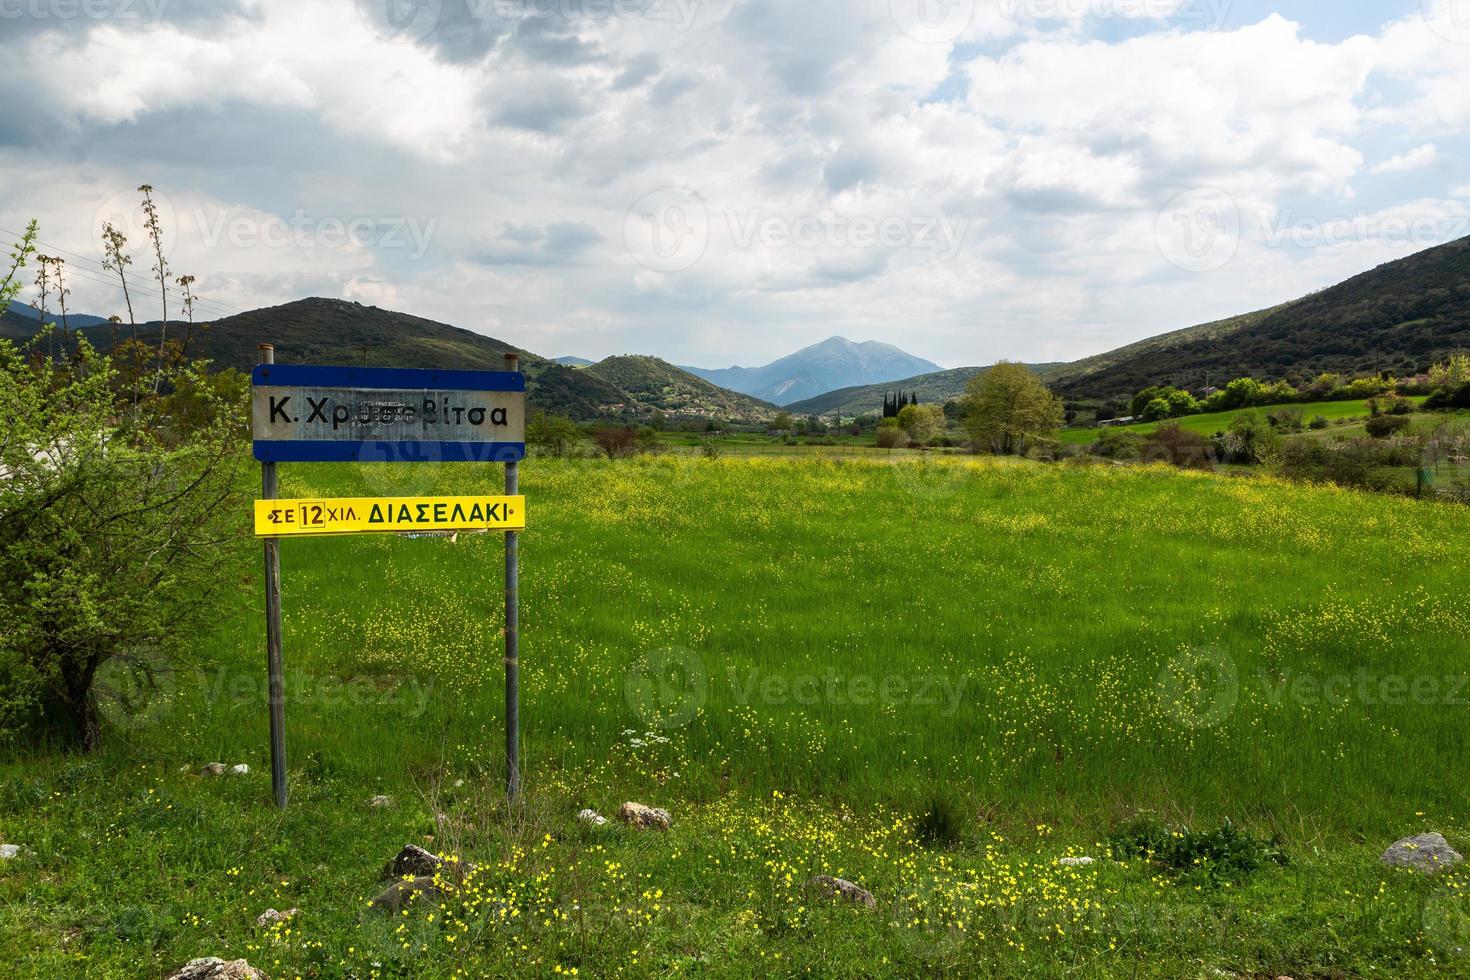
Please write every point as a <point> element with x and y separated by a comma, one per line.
<point>723,181</point>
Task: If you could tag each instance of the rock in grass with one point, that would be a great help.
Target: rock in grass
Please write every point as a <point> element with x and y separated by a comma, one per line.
<point>1429,853</point>
<point>379,802</point>
<point>644,817</point>
<point>270,917</point>
<point>214,968</point>
<point>1075,862</point>
<point>841,888</point>
<point>213,769</point>
<point>9,851</point>
<point>397,895</point>
<point>241,770</point>
<point>592,817</point>
<point>413,862</point>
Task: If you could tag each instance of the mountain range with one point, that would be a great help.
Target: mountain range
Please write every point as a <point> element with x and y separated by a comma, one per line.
<point>1402,317</point>
<point>834,363</point>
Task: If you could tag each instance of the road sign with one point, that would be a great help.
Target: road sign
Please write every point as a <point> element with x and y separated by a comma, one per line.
<point>340,414</point>
<point>304,413</point>
<point>388,515</point>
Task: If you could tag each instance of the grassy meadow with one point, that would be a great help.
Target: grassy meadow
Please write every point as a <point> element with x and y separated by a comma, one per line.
<point>932,676</point>
<point>1209,423</point>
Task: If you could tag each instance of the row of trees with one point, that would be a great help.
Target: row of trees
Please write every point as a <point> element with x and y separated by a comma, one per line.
<point>1443,382</point>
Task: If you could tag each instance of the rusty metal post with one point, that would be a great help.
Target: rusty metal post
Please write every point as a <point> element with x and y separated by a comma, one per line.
<point>270,490</point>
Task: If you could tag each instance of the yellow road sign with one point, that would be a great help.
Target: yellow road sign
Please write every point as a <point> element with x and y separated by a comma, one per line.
<point>390,515</point>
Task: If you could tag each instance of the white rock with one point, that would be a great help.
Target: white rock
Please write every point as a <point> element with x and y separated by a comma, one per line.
<point>241,770</point>
<point>1077,862</point>
<point>270,917</point>
<point>213,769</point>
<point>214,968</point>
<point>380,801</point>
<point>8,851</point>
<point>593,817</point>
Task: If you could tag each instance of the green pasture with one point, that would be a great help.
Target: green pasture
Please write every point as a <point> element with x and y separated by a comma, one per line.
<point>1212,422</point>
<point>935,676</point>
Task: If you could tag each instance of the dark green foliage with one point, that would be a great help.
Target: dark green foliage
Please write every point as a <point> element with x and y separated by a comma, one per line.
<point>1221,854</point>
<point>1449,398</point>
<point>1397,317</point>
<point>1383,426</point>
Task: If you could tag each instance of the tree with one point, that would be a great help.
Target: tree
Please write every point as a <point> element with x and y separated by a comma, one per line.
<point>1009,408</point>
<point>1250,439</point>
<point>116,529</point>
<point>782,422</point>
<point>554,435</point>
<point>615,441</point>
<point>922,422</point>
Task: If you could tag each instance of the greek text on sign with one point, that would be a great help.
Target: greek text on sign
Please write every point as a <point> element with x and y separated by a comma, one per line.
<point>388,515</point>
<point>303,413</point>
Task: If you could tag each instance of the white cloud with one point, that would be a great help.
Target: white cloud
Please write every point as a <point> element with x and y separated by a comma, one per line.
<point>1415,159</point>
<point>1021,214</point>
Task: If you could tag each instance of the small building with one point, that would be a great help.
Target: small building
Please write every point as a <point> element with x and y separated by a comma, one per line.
<point>1110,423</point>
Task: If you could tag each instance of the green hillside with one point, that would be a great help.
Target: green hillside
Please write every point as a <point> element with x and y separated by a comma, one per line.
<point>657,384</point>
<point>934,388</point>
<point>1400,317</point>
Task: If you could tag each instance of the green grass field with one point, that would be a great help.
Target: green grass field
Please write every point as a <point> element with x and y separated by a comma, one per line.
<point>1210,423</point>
<point>934,677</point>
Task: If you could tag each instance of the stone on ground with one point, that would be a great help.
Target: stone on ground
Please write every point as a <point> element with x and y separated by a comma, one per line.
<point>397,896</point>
<point>9,851</point>
<point>241,770</point>
<point>1075,862</point>
<point>1429,853</point>
<point>841,888</point>
<point>270,917</point>
<point>413,862</point>
<point>213,769</point>
<point>380,801</point>
<point>644,817</point>
<point>214,968</point>
<point>592,817</point>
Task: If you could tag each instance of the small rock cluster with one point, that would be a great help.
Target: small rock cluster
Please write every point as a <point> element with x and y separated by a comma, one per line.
<point>219,769</point>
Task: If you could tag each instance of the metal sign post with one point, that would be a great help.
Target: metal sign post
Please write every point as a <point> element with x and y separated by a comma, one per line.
<point>274,671</point>
<point>512,631</point>
<point>338,414</point>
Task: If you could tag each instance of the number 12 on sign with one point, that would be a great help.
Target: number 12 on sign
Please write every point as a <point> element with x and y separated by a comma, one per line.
<point>388,515</point>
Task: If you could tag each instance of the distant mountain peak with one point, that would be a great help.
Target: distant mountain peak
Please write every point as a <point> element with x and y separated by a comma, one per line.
<point>827,365</point>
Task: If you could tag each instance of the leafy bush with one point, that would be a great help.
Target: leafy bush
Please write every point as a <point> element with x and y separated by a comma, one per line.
<point>1319,422</point>
<point>1383,426</point>
<point>1286,419</point>
<point>116,529</point>
<point>1178,446</point>
<point>1446,397</point>
<point>1118,444</point>
<point>890,436</point>
<point>1224,853</point>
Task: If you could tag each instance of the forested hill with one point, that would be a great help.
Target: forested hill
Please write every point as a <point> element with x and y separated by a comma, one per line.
<point>1400,317</point>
